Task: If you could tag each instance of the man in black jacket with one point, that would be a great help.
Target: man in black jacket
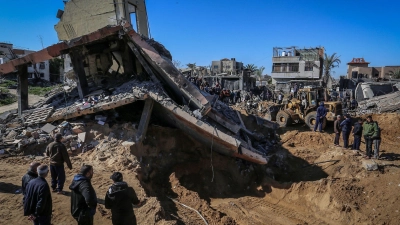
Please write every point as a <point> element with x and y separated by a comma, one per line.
<point>37,200</point>
<point>83,196</point>
<point>58,155</point>
<point>357,132</point>
<point>119,198</point>
<point>30,175</point>
<point>346,129</point>
<point>337,129</point>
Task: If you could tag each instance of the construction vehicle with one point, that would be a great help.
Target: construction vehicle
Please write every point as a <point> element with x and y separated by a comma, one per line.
<point>291,111</point>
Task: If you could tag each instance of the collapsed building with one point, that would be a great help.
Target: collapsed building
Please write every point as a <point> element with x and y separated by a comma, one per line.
<point>114,65</point>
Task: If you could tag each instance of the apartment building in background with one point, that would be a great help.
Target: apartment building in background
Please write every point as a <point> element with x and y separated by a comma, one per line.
<point>359,68</point>
<point>292,63</point>
<point>227,66</point>
<point>8,52</point>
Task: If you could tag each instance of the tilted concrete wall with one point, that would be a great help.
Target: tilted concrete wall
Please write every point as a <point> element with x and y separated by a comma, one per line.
<point>83,17</point>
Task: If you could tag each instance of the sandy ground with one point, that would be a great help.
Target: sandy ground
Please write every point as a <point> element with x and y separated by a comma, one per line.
<point>308,181</point>
<point>31,98</point>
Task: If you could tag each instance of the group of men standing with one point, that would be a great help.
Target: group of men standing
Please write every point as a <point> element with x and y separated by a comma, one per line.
<point>369,129</point>
<point>38,204</point>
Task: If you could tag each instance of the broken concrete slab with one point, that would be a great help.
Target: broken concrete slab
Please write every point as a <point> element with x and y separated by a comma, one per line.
<point>48,128</point>
<point>370,165</point>
<point>11,135</point>
<point>39,116</point>
<point>82,137</point>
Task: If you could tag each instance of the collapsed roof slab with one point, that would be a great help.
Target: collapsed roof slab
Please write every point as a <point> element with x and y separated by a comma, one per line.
<point>57,49</point>
<point>169,73</point>
<point>221,132</point>
<point>167,110</point>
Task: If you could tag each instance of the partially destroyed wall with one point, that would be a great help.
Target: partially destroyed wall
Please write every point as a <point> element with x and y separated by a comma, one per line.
<point>82,17</point>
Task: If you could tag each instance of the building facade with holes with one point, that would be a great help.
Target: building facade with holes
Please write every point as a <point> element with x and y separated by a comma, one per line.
<point>227,67</point>
<point>291,63</point>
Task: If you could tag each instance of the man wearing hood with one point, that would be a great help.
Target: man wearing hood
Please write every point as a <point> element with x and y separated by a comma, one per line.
<point>346,129</point>
<point>83,196</point>
<point>321,114</point>
<point>30,175</point>
<point>120,198</point>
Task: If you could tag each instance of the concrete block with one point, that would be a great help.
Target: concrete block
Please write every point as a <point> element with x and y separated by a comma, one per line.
<point>11,135</point>
<point>82,137</point>
<point>48,128</point>
<point>370,165</point>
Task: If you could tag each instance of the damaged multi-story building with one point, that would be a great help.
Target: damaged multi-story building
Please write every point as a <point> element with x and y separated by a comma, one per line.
<point>40,69</point>
<point>292,64</point>
<point>115,64</point>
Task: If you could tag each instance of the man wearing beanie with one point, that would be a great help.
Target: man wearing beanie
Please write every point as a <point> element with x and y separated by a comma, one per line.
<point>120,198</point>
<point>58,155</point>
<point>83,196</point>
<point>37,200</point>
<point>30,175</point>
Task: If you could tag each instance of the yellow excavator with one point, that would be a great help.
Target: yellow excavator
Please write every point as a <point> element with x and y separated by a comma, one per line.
<point>292,112</point>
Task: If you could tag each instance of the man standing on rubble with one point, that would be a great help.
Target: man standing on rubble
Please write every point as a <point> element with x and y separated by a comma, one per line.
<point>357,132</point>
<point>30,175</point>
<point>377,141</point>
<point>370,130</point>
<point>346,129</point>
<point>321,114</point>
<point>337,129</point>
<point>120,198</point>
<point>38,205</point>
<point>83,196</point>
<point>58,155</point>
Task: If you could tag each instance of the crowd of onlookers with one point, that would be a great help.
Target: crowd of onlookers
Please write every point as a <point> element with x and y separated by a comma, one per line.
<point>265,94</point>
<point>368,129</point>
<point>38,202</point>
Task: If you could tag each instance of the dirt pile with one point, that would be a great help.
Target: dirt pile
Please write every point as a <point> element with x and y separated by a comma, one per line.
<point>307,181</point>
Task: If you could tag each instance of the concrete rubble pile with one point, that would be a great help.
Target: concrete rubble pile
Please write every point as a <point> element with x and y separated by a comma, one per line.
<point>167,94</point>
<point>16,137</point>
<point>380,104</point>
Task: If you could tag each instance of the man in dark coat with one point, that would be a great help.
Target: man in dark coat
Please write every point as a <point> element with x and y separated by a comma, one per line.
<point>83,196</point>
<point>30,175</point>
<point>120,198</point>
<point>346,129</point>
<point>321,114</point>
<point>337,129</point>
<point>357,132</point>
<point>37,200</point>
<point>58,155</point>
